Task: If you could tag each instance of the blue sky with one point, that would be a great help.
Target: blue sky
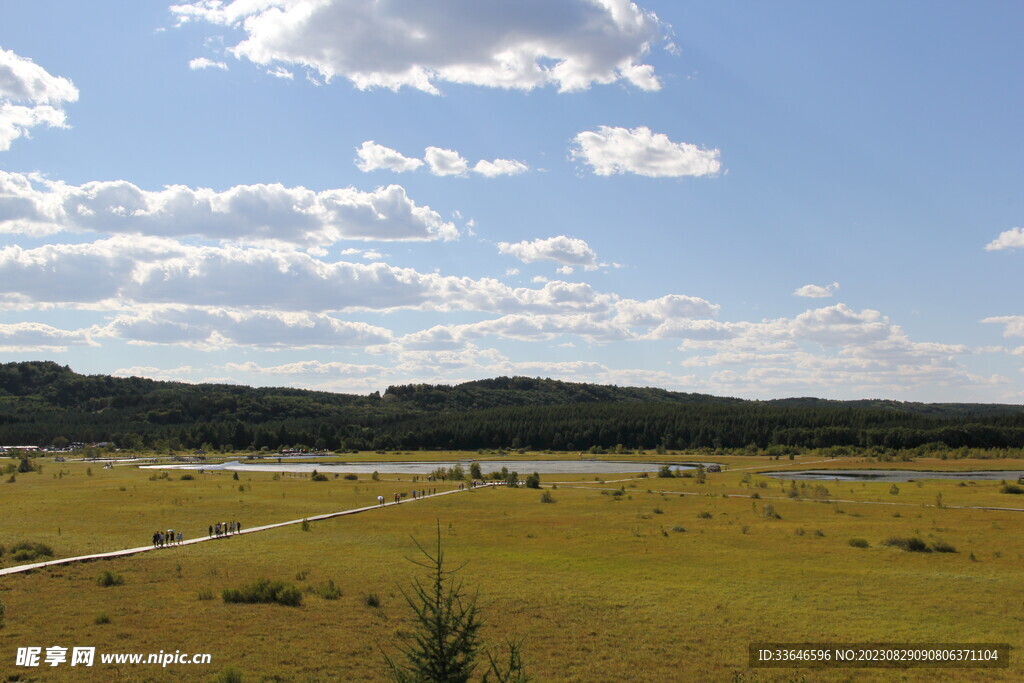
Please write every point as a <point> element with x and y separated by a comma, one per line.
<point>745,199</point>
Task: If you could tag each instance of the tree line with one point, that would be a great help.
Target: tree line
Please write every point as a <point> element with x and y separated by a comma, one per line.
<point>43,402</point>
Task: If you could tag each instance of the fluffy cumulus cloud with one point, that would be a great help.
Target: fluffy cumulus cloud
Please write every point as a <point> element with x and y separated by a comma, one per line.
<point>200,63</point>
<point>824,351</point>
<point>817,291</point>
<point>1014,324</point>
<point>569,251</point>
<point>221,328</point>
<point>669,308</point>
<point>123,271</point>
<point>1008,239</point>
<point>30,336</point>
<point>441,162</point>
<point>493,169</point>
<point>372,157</point>
<point>611,151</point>
<point>244,213</point>
<point>445,161</point>
<point>29,97</point>
<point>570,44</point>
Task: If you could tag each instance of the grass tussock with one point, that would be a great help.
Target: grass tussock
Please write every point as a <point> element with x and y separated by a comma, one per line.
<point>109,578</point>
<point>27,551</point>
<point>265,591</point>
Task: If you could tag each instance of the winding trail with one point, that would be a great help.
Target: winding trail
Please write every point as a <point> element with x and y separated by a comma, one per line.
<point>202,539</point>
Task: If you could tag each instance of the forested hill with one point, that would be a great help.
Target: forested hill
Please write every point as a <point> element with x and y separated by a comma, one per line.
<point>42,401</point>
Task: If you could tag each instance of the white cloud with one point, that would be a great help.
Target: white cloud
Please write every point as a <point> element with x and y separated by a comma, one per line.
<point>30,96</point>
<point>373,157</point>
<point>816,291</point>
<point>564,270</point>
<point>282,73</point>
<point>610,151</point>
<point>29,336</point>
<point>204,63</point>
<point>568,251</point>
<point>1014,324</point>
<point>671,307</point>
<point>313,367</point>
<point>244,213</point>
<point>178,374</point>
<point>221,328</point>
<point>499,167</point>
<point>1008,239</point>
<point>570,44</point>
<point>839,325</point>
<point>445,162</point>
<point>127,271</point>
<point>511,271</point>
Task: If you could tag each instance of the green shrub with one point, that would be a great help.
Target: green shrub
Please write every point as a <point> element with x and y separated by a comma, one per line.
<point>942,547</point>
<point>1011,488</point>
<point>678,529</point>
<point>546,497</point>
<point>371,600</point>
<point>533,481</point>
<point>665,472</point>
<point>27,551</point>
<point>769,512</point>
<point>229,675</point>
<point>264,591</point>
<point>327,591</point>
<point>101,619</point>
<point>319,477</point>
<point>351,477</point>
<point>859,543</point>
<point>911,545</point>
<point>704,515</point>
<point>108,578</point>
<point>187,477</point>
<point>658,511</point>
<point>206,595</point>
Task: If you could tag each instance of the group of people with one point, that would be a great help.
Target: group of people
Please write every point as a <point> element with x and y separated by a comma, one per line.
<point>225,529</point>
<point>166,538</point>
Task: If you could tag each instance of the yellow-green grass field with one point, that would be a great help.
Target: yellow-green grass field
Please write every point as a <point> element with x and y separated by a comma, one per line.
<point>648,584</point>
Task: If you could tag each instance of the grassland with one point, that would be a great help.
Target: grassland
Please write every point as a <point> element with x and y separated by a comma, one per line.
<point>670,579</point>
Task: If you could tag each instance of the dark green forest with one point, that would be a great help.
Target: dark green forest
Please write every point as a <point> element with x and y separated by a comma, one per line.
<point>42,403</point>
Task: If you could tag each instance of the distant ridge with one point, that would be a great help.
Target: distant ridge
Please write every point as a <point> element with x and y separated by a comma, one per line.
<point>41,401</point>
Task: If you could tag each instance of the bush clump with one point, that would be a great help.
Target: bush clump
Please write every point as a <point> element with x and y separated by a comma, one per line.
<point>546,497</point>
<point>27,551</point>
<point>911,545</point>
<point>327,591</point>
<point>704,515</point>
<point>319,477</point>
<point>859,543</point>
<point>351,477</point>
<point>1011,488</point>
<point>943,547</point>
<point>109,578</point>
<point>265,591</point>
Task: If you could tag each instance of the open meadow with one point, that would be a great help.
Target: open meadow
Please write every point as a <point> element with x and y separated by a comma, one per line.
<point>619,578</point>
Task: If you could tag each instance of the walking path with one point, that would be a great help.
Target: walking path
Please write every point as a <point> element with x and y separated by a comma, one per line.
<point>146,548</point>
